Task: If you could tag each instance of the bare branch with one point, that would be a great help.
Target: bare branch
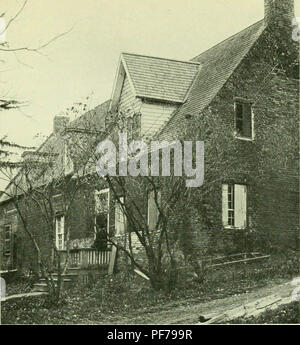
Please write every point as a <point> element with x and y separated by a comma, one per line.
<point>39,48</point>
<point>14,17</point>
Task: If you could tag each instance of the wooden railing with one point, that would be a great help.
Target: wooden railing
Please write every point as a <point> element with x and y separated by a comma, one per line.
<point>87,257</point>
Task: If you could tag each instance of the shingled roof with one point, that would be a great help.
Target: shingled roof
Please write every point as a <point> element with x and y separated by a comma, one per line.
<point>158,78</point>
<point>217,65</point>
<point>92,119</point>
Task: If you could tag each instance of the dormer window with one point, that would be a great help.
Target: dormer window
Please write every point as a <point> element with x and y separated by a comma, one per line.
<point>243,119</point>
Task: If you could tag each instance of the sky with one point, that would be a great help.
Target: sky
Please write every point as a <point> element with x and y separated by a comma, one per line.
<point>83,62</point>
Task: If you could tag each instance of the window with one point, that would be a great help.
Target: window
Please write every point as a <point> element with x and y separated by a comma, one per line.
<point>60,232</point>
<point>153,212</point>
<point>234,206</point>
<point>7,240</point>
<point>243,120</point>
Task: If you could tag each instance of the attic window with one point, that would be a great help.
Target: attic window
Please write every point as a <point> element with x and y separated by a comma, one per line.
<point>243,119</point>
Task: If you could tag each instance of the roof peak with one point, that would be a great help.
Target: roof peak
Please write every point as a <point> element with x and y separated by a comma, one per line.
<point>161,58</point>
<point>228,38</point>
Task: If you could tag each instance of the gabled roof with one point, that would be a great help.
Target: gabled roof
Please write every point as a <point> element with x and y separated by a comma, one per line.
<point>156,78</point>
<point>217,65</point>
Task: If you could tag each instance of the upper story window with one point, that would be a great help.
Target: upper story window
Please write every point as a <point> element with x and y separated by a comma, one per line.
<point>244,120</point>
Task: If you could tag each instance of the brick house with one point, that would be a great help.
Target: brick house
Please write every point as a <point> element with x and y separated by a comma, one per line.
<point>249,85</point>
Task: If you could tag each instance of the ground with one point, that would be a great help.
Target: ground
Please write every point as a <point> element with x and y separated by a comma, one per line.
<point>124,299</point>
<point>287,314</point>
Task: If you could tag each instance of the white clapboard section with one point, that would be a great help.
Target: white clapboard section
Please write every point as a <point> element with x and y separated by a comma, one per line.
<point>154,115</point>
<point>225,204</point>
<point>240,206</point>
<point>129,104</point>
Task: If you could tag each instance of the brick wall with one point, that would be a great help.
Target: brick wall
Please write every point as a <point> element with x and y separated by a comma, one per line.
<point>271,170</point>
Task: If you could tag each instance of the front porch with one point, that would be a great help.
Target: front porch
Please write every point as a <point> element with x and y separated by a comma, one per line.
<point>86,258</point>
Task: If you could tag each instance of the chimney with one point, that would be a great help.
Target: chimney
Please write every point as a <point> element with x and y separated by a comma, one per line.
<point>60,123</point>
<point>282,10</point>
<point>28,156</point>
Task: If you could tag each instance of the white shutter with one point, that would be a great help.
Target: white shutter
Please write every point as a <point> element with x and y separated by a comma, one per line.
<point>240,206</point>
<point>119,218</point>
<point>225,204</point>
<point>56,232</point>
<point>63,231</point>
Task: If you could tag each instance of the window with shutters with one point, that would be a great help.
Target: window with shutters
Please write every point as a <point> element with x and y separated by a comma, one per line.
<point>153,212</point>
<point>60,232</point>
<point>243,120</point>
<point>234,206</point>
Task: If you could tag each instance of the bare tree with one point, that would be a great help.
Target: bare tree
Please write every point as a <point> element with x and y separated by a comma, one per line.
<point>42,177</point>
<point>6,47</point>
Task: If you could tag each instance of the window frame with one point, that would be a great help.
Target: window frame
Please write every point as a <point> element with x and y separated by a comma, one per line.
<point>243,102</point>
<point>231,219</point>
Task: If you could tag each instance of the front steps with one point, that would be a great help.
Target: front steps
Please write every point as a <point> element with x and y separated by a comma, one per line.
<point>68,280</point>
<point>73,276</point>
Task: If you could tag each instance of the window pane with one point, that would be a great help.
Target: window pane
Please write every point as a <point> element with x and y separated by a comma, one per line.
<point>247,121</point>
<point>243,119</point>
<point>231,205</point>
<point>239,111</point>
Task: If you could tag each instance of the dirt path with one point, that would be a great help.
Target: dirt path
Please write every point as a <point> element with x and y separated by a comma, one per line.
<point>189,314</point>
